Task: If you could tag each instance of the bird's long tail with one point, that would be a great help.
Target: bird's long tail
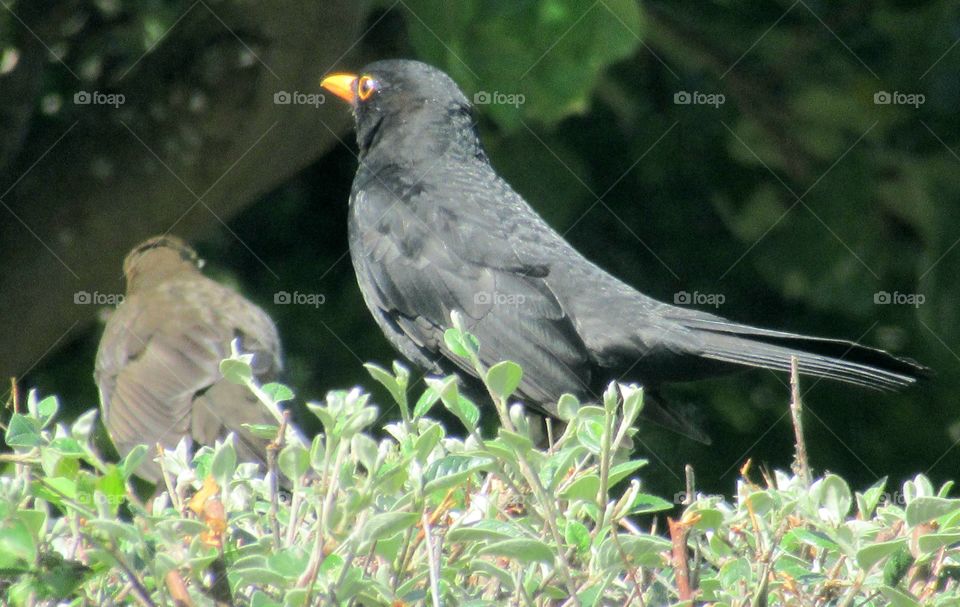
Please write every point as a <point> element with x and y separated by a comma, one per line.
<point>835,359</point>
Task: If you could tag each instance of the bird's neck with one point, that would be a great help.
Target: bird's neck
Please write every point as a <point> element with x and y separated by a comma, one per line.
<point>420,143</point>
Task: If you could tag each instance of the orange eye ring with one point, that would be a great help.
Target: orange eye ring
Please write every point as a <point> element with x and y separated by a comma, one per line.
<point>366,87</point>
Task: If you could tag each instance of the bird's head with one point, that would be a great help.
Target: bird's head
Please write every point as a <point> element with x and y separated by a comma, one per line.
<point>406,105</point>
<point>157,259</point>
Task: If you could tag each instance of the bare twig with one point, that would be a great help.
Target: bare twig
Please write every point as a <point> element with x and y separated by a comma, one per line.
<point>637,589</point>
<point>681,567</point>
<point>801,465</point>
<point>431,559</point>
<point>178,589</point>
<point>273,473</point>
<point>691,485</point>
<point>167,482</point>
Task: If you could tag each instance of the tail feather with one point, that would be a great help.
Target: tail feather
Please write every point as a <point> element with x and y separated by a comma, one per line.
<point>835,359</point>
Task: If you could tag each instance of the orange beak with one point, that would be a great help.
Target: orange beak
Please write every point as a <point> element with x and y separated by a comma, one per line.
<point>343,86</point>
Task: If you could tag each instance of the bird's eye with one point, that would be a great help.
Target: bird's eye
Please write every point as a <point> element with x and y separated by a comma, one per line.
<point>366,87</point>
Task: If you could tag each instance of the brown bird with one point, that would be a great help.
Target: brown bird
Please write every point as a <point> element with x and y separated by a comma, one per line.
<point>158,365</point>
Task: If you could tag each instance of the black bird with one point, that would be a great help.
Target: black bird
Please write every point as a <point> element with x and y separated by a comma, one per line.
<point>433,229</point>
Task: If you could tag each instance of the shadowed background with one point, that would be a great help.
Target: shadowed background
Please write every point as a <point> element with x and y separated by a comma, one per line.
<point>787,164</point>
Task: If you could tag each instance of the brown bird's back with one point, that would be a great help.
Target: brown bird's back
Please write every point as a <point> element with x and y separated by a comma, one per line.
<point>158,365</point>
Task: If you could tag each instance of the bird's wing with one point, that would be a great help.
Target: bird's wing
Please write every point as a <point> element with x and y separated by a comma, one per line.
<point>417,261</point>
<point>161,350</point>
<point>224,406</point>
<point>148,376</point>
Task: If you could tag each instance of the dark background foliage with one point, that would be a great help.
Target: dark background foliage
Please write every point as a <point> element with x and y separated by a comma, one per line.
<point>790,191</point>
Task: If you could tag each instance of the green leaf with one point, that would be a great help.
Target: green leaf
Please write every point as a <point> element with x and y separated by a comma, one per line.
<point>224,463</point>
<point>871,554</point>
<point>486,530</point>
<point>640,551</point>
<point>67,446</point>
<point>524,550</point>
<point>931,542</point>
<point>868,500</point>
<point>47,408</point>
<point>387,524</point>
<point>567,407</point>
<point>632,402</point>
<point>83,426</point>
<point>645,504</point>
<point>388,381</point>
<point>17,547</point>
<point>23,431</point>
<point>111,484</point>
<point>261,599</point>
<point>734,573</point>
<point>590,434</point>
<point>358,421</point>
<point>426,402</point>
<point>289,562</point>
<point>577,535</point>
<point>835,496</point>
<point>488,569</point>
<point>623,470</point>
<point>466,411</point>
<point>898,565</point>
<point>817,539</point>
<point>519,442</point>
<point>923,509</point>
<point>262,431</point>
<point>503,379</point>
<point>294,461</point>
<point>236,371</point>
<point>539,63</point>
<point>133,460</point>
<point>429,438</point>
<point>898,598</point>
<point>364,449</point>
<point>278,393</point>
<point>584,488</point>
<point>451,470</point>
<point>115,529</point>
<point>454,341</point>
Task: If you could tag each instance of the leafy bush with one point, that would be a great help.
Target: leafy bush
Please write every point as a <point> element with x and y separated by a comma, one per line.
<point>423,516</point>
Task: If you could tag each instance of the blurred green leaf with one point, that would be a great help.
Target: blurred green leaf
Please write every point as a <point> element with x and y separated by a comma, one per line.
<point>503,378</point>
<point>525,550</point>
